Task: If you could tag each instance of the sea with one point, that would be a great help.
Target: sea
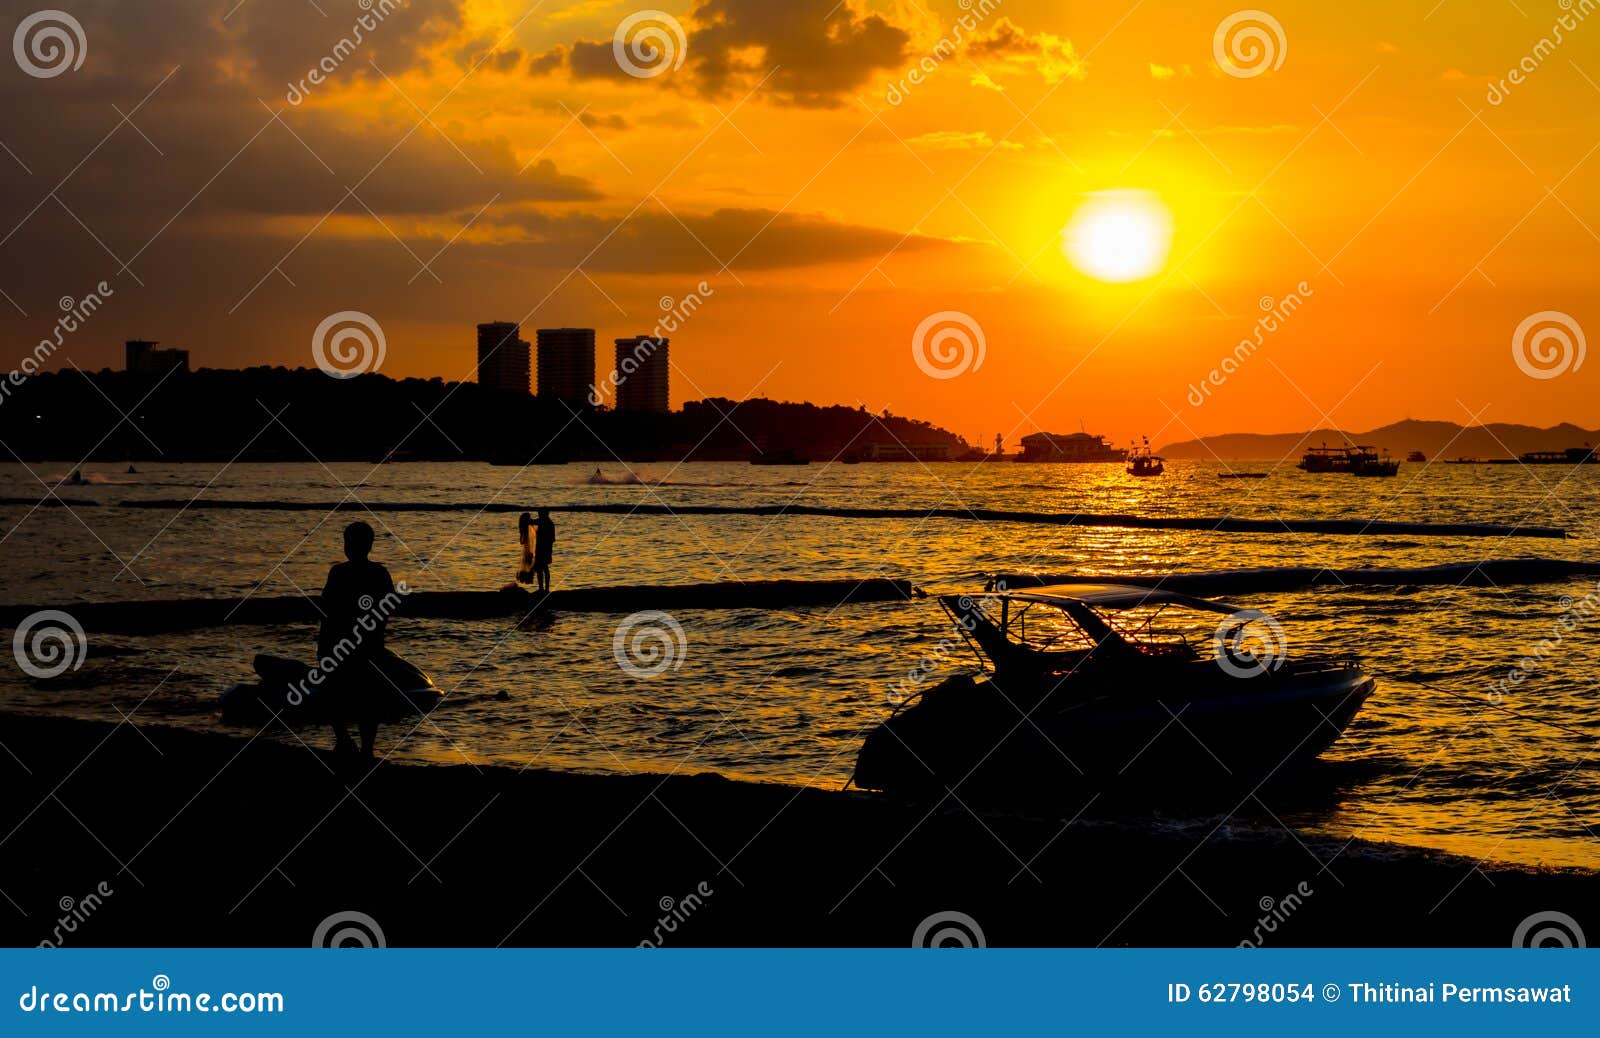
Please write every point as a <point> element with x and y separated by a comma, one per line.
<point>1473,765</point>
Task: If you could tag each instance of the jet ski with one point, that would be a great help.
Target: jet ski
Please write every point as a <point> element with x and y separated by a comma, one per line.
<point>398,689</point>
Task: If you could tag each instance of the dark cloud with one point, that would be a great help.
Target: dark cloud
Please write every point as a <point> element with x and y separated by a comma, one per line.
<point>817,51</point>
<point>822,49</point>
<point>1051,56</point>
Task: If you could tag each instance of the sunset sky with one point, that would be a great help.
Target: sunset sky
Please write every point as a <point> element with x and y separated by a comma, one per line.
<point>830,203</point>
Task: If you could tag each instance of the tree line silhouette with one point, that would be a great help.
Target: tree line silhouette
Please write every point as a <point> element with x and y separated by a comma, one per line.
<point>281,414</point>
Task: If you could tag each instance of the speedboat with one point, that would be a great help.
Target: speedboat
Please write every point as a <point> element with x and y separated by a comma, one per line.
<point>1106,684</point>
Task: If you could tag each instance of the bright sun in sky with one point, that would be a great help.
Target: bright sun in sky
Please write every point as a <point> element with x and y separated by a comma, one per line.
<point>1121,235</point>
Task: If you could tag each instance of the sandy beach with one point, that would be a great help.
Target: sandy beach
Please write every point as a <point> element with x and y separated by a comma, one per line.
<point>183,829</point>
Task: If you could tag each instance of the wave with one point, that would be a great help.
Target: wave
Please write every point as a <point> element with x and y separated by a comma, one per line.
<point>1202,524</point>
<point>1486,573</point>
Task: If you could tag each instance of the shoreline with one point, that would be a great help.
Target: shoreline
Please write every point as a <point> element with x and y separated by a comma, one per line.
<point>228,841</point>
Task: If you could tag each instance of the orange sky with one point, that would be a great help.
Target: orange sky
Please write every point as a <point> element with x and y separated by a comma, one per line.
<point>545,185</point>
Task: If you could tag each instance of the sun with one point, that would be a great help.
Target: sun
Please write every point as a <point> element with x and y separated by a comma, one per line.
<point>1118,236</point>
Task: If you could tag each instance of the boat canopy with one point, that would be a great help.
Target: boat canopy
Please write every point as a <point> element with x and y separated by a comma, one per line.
<point>1114,596</point>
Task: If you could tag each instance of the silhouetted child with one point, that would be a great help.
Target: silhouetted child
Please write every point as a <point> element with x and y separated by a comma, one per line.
<point>544,547</point>
<point>355,607</point>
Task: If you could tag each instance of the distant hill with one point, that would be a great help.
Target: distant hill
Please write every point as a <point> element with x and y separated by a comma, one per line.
<point>1438,440</point>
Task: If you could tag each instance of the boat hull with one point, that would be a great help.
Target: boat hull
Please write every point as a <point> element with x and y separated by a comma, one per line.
<point>396,689</point>
<point>974,737</point>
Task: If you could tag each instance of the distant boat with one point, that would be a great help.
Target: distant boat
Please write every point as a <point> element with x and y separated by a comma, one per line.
<point>1100,696</point>
<point>1356,460</point>
<point>1571,456</point>
<point>1417,456</point>
<point>1142,462</point>
<point>1369,464</point>
<point>786,456</point>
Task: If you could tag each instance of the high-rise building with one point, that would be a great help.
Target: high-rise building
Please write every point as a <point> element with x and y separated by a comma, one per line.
<point>641,374</point>
<point>503,357</point>
<point>144,359</point>
<point>566,364</point>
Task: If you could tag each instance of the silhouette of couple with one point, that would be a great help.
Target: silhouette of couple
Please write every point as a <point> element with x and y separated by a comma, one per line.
<point>537,555</point>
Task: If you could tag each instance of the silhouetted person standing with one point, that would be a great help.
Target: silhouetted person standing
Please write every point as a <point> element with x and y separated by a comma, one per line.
<point>524,532</point>
<point>355,612</point>
<point>544,548</point>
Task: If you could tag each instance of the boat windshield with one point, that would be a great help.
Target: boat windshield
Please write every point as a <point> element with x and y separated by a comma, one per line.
<point>1046,628</point>
<point>1069,627</point>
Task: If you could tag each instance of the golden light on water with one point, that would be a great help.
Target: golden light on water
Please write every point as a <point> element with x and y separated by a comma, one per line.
<point>1120,235</point>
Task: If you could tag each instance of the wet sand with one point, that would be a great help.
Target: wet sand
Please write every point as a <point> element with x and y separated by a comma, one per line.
<point>232,842</point>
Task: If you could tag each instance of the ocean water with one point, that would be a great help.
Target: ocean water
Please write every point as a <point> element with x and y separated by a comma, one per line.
<point>786,695</point>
